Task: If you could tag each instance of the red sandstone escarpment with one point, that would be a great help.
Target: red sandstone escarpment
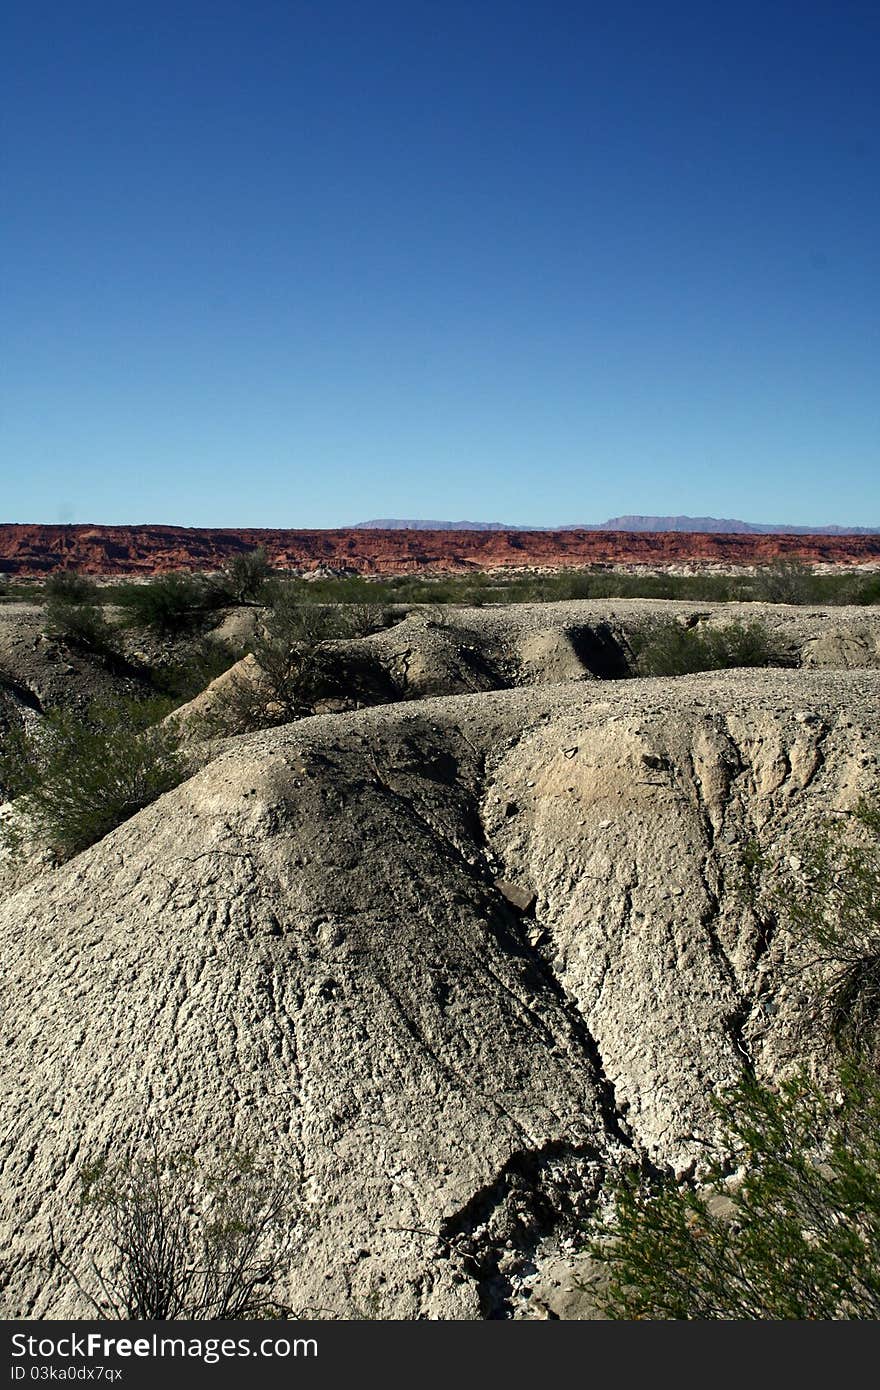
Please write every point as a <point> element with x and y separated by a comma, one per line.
<point>34,550</point>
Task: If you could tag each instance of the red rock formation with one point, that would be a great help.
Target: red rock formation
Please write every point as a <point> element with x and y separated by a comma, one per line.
<point>119,550</point>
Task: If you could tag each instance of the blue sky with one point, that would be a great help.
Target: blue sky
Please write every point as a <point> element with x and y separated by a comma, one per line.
<point>301,264</point>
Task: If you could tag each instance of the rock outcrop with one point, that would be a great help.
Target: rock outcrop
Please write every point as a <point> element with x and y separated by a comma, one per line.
<point>116,550</point>
<point>443,650</point>
<point>449,959</point>
<point>451,651</point>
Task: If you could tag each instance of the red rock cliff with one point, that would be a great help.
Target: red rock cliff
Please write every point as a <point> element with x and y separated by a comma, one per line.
<point>118,550</point>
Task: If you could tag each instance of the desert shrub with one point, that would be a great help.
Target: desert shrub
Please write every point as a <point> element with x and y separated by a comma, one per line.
<point>291,652</point>
<point>786,581</point>
<point>244,577</point>
<point>18,591</point>
<point>288,653</point>
<point>76,777</point>
<point>246,707</point>
<point>800,586</point>
<point>75,617</point>
<point>68,586</point>
<point>10,710</point>
<point>799,1237</point>
<point>187,1244</point>
<point>170,604</point>
<point>81,625</point>
<point>866,590</point>
<point>360,619</point>
<point>203,662</point>
<point>835,915</point>
<point>828,895</point>
<point>664,647</point>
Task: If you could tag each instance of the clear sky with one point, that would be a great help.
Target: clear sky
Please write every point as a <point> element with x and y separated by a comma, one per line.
<point>308,262</point>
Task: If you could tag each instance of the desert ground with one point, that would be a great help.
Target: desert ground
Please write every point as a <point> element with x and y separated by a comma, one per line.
<point>471,932</point>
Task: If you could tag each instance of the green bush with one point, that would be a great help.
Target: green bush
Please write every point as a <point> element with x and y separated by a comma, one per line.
<point>835,916</point>
<point>18,591</point>
<point>798,1238</point>
<point>205,660</point>
<point>76,778</point>
<point>866,590</point>
<point>68,586</point>
<point>171,604</point>
<point>665,647</point>
<point>786,581</point>
<point>291,652</point>
<point>288,653</point>
<point>244,577</point>
<point>80,625</point>
<point>74,616</point>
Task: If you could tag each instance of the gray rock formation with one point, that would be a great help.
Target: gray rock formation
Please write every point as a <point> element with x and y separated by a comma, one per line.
<point>448,650</point>
<point>447,959</point>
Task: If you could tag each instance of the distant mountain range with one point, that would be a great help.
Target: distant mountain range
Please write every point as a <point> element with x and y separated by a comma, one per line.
<point>703,524</point>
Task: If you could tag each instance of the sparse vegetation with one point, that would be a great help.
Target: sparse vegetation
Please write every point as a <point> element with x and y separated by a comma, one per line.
<point>170,604</point>
<point>203,661</point>
<point>798,1237</point>
<point>836,918</point>
<point>69,586</point>
<point>75,618</point>
<point>290,652</point>
<point>783,581</point>
<point>787,581</point>
<point>19,590</point>
<point>81,625</point>
<point>666,647</point>
<point>75,778</point>
<point>245,576</point>
<point>187,1244</point>
<point>478,589</point>
<point>868,591</point>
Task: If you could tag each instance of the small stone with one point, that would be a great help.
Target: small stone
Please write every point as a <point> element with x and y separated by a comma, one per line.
<point>523,899</point>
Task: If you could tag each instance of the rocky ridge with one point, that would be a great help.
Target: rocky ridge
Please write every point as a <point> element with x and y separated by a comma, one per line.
<point>34,550</point>
<point>453,957</point>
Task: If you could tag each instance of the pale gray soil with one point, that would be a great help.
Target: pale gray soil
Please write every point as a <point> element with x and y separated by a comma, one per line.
<point>449,958</point>
<point>449,650</point>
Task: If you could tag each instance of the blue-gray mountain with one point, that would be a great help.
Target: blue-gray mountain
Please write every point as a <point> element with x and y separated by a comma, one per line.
<point>713,524</point>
